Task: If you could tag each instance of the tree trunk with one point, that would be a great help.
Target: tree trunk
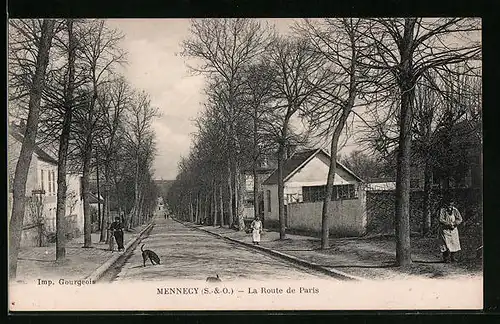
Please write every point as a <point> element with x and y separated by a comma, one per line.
<point>197,208</point>
<point>402,210</point>
<point>142,211</point>
<point>346,111</point>
<point>107,221</point>
<point>190,208</point>
<point>326,211</point>
<point>105,215</point>
<point>255,161</point>
<point>281,190</point>
<point>214,204</point>
<point>99,213</point>
<point>403,253</point>
<point>206,206</point>
<point>134,213</point>
<point>426,210</point>
<point>28,145</point>
<point>236,197</point>
<point>63,147</point>
<point>87,221</point>
<point>240,190</point>
<point>255,190</point>
<point>221,205</point>
<point>230,195</point>
<point>104,220</point>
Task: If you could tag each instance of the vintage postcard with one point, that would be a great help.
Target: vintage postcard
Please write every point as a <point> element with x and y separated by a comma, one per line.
<point>245,164</point>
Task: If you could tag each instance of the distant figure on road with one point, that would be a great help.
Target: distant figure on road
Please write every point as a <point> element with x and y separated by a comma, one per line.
<point>449,219</point>
<point>165,214</point>
<point>117,229</point>
<point>256,230</point>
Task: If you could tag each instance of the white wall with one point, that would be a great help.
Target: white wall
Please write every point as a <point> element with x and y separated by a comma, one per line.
<point>273,215</point>
<point>74,196</point>
<point>348,216</point>
<point>314,173</point>
<point>50,198</point>
<point>13,151</point>
<point>34,182</point>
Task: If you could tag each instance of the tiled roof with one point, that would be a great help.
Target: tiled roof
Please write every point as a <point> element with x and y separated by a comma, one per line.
<point>298,159</point>
<point>290,165</point>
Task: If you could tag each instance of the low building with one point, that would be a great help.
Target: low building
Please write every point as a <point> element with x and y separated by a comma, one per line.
<point>263,173</point>
<point>41,193</point>
<point>305,176</point>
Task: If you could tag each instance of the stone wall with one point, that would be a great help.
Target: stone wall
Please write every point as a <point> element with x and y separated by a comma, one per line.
<point>380,209</point>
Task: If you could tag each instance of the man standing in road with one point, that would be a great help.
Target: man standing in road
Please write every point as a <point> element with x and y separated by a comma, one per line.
<point>449,219</point>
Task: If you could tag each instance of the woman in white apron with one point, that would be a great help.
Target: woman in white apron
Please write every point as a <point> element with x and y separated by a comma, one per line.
<point>256,230</point>
<point>449,219</point>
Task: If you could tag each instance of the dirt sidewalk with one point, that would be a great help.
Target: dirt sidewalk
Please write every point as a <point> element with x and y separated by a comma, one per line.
<point>39,262</point>
<point>370,257</point>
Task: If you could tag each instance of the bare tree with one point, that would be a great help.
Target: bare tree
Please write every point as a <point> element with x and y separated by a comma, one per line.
<point>113,98</point>
<point>139,122</point>
<point>298,75</point>
<point>258,85</point>
<point>100,47</point>
<point>64,143</point>
<point>225,46</point>
<point>406,49</point>
<point>365,165</point>
<point>39,47</point>
<point>338,41</point>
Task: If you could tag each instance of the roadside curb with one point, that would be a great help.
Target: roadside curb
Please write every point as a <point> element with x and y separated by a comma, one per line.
<point>99,272</point>
<point>331,272</point>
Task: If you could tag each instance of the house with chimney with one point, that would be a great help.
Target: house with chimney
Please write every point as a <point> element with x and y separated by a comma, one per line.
<point>41,193</point>
<point>305,176</point>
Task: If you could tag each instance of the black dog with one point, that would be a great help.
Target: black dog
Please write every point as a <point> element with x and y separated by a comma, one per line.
<point>214,279</point>
<point>153,257</point>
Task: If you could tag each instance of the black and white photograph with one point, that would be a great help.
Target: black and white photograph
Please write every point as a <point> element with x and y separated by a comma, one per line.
<point>245,164</point>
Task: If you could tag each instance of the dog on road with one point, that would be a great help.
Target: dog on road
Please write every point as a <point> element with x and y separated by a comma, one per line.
<point>153,257</point>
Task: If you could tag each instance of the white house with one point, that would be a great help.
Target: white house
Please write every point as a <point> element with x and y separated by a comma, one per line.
<point>41,192</point>
<point>305,176</point>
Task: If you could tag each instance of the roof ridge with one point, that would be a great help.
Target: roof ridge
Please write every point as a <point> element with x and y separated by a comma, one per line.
<point>292,172</point>
<point>42,154</point>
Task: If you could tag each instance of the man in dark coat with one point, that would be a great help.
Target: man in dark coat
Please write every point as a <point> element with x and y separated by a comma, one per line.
<point>117,229</point>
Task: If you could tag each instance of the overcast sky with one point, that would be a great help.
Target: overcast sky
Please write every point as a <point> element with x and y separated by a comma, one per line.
<point>154,65</point>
